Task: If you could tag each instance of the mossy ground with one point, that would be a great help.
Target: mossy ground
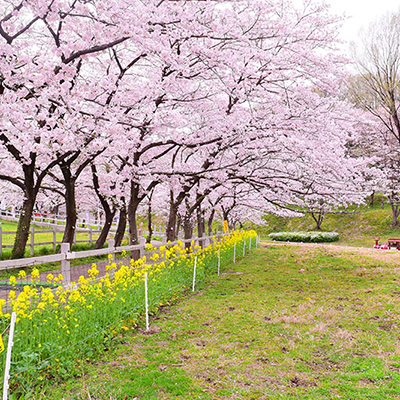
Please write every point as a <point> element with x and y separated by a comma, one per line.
<point>265,330</point>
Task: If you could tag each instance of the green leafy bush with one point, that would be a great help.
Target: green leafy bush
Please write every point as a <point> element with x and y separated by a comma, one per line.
<point>305,237</point>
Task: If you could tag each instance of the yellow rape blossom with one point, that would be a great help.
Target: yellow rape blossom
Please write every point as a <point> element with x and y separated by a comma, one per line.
<point>22,274</point>
<point>35,275</point>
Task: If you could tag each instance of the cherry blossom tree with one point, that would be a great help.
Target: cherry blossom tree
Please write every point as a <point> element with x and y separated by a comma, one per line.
<point>43,46</point>
<point>205,98</point>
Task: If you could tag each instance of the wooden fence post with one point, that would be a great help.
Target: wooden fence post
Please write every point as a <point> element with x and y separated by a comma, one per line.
<point>142,251</point>
<point>90,235</point>
<point>1,240</point>
<point>65,264</point>
<point>54,238</point>
<point>111,245</point>
<point>32,240</point>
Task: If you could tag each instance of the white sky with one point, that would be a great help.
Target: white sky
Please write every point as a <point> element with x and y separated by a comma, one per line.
<point>361,13</point>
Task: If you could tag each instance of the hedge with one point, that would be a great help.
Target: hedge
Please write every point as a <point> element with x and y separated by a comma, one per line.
<point>305,237</point>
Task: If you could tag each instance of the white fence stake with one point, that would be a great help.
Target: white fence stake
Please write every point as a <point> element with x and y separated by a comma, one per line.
<point>234,253</point>
<point>219,260</point>
<point>256,241</point>
<point>146,299</point>
<point>250,244</point>
<point>244,247</point>
<point>8,358</point>
<point>194,273</point>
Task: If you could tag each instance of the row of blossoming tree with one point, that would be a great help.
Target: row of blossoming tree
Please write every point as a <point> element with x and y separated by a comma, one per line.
<point>187,108</point>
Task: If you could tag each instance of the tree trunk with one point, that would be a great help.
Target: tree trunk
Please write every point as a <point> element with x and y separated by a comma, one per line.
<point>395,214</point>
<point>149,223</point>
<point>372,199</point>
<point>109,216</point>
<point>134,202</point>
<point>225,215</point>
<point>210,221</point>
<point>149,219</point>
<point>24,223</point>
<point>178,225</point>
<point>70,205</point>
<point>187,229</point>
<point>318,218</point>
<point>119,235</point>
<point>394,203</point>
<point>171,225</point>
<point>200,225</point>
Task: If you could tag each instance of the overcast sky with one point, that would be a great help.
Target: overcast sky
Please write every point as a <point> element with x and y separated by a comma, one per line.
<point>360,13</point>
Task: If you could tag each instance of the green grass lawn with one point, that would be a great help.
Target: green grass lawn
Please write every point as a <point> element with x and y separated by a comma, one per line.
<point>264,330</point>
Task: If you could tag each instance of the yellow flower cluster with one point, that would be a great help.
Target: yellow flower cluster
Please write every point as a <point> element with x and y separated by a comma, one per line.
<point>80,319</point>
<point>92,290</point>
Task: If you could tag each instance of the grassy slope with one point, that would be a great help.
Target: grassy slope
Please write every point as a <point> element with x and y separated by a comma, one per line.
<point>272,332</point>
<point>357,229</point>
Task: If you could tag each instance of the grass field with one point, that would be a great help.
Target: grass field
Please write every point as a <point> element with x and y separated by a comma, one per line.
<point>265,330</point>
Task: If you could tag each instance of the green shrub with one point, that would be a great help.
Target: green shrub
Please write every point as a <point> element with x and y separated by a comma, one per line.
<point>44,251</point>
<point>305,237</point>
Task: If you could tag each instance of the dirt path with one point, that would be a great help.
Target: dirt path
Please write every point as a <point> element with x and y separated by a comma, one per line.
<point>386,256</point>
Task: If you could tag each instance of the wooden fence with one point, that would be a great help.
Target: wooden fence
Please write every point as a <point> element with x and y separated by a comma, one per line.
<point>84,233</point>
<point>53,220</point>
<point>65,256</point>
<point>49,237</point>
<point>48,219</point>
